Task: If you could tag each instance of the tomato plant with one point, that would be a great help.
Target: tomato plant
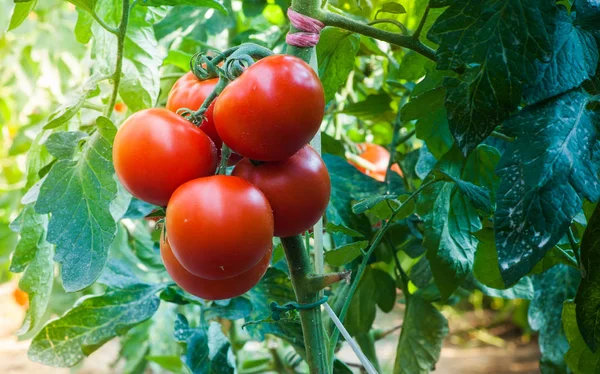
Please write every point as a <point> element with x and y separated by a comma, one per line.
<point>155,151</point>
<point>451,182</point>
<point>298,189</point>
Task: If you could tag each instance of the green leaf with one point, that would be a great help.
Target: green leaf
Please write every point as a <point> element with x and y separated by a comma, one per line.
<point>434,131</point>
<point>472,36</point>
<point>346,253</point>
<point>413,66</point>
<point>134,347</point>
<point>72,106</point>
<point>336,52</point>
<point>78,194</point>
<point>391,7</point>
<point>20,13</point>
<point>342,229</point>
<point>370,202</point>
<point>362,310</point>
<point>552,289</point>
<point>574,60</point>
<point>91,323</point>
<point>579,357</point>
<point>420,344</point>
<point>547,169</point>
<point>214,4</point>
<point>164,350</point>
<point>424,104</point>
<point>63,144</point>
<point>83,27</point>
<point>178,58</point>
<point>386,290</point>
<point>87,5</point>
<point>373,107</point>
<point>478,196</point>
<point>588,13</point>
<point>449,219</point>
<point>588,294</point>
<point>237,308</point>
<point>208,350</point>
<point>522,290</point>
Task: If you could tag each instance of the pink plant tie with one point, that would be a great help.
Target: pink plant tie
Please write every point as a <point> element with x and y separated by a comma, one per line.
<point>310,28</point>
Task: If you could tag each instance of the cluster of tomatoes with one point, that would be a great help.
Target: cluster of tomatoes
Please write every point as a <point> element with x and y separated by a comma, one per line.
<point>220,228</point>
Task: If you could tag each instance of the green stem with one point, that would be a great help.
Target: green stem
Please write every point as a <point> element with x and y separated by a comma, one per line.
<point>390,21</point>
<point>96,107</point>
<point>122,31</point>
<point>337,20</point>
<point>312,324</point>
<point>417,32</point>
<point>105,25</point>
<point>225,153</point>
<point>365,261</point>
<point>393,145</point>
<point>500,135</point>
<point>575,248</point>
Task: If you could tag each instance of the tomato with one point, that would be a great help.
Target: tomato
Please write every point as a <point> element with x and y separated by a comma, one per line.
<point>379,157</point>
<point>298,189</point>
<point>155,151</point>
<point>21,297</point>
<point>272,110</point>
<point>120,107</point>
<point>219,226</point>
<point>213,289</point>
<point>190,92</point>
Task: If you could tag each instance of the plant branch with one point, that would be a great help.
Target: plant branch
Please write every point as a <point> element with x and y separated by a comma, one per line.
<point>417,32</point>
<point>337,20</point>
<point>575,247</point>
<point>391,21</point>
<point>96,107</point>
<point>105,25</point>
<point>500,135</point>
<point>365,259</point>
<point>317,283</point>
<point>122,31</point>
<point>393,145</point>
<point>312,324</point>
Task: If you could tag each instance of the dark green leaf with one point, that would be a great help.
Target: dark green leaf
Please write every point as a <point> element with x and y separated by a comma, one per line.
<point>424,104</point>
<point>552,289</point>
<point>139,209</point>
<point>522,290</point>
<point>346,253</point>
<point>423,332</point>
<point>362,311</point>
<point>339,228</point>
<point>237,308</point>
<point>472,36</point>
<point>420,273</point>
<point>588,294</point>
<point>119,275</point>
<point>336,52</point>
<point>413,66</point>
<point>370,202</point>
<point>434,131</point>
<point>78,194</point>
<point>208,350</point>
<point>478,196</point>
<point>588,13</point>
<point>90,324</point>
<point>545,174</point>
<point>373,107</point>
<point>574,60</point>
<point>63,144</point>
<point>579,357</point>
<point>386,290</point>
<point>20,13</point>
<point>134,347</point>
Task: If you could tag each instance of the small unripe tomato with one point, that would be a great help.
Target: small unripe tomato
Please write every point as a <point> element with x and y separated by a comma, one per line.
<point>272,110</point>
<point>213,289</point>
<point>190,92</point>
<point>155,151</point>
<point>21,297</point>
<point>298,189</point>
<point>120,107</point>
<point>379,157</point>
<point>219,226</point>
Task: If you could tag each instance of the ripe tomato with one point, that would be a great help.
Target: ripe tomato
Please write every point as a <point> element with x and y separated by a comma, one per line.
<point>213,289</point>
<point>190,92</point>
<point>21,297</point>
<point>120,107</point>
<point>272,110</point>
<point>379,157</point>
<point>155,151</point>
<point>297,188</point>
<point>219,226</point>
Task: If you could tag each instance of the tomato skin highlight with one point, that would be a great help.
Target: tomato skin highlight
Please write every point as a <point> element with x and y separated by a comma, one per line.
<point>155,151</point>
<point>298,189</point>
<point>219,226</point>
<point>272,110</point>
<point>190,92</point>
<point>212,289</point>
<point>379,157</point>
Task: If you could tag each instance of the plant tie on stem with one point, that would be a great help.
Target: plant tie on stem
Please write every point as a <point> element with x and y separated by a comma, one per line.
<point>310,29</point>
<point>277,309</point>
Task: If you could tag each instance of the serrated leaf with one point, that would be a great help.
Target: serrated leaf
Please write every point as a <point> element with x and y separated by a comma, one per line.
<point>63,144</point>
<point>588,294</point>
<point>478,196</point>
<point>72,106</point>
<point>423,332</point>
<point>336,51</point>
<point>346,253</point>
<point>574,60</point>
<point>579,357</point>
<point>342,229</point>
<point>424,104</point>
<point>552,289</point>
<point>78,194</point>
<point>208,350</point>
<point>370,202</point>
<point>547,170</point>
<point>472,36</point>
<point>94,321</point>
<point>20,13</point>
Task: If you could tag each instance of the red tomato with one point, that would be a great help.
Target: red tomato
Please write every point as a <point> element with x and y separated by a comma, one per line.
<point>379,157</point>
<point>213,289</point>
<point>21,297</point>
<point>272,110</point>
<point>120,107</point>
<point>190,92</point>
<point>155,151</point>
<point>219,226</point>
<point>297,188</point>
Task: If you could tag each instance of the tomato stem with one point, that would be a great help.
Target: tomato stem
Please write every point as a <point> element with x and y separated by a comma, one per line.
<point>122,31</point>
<point>225,153</point>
